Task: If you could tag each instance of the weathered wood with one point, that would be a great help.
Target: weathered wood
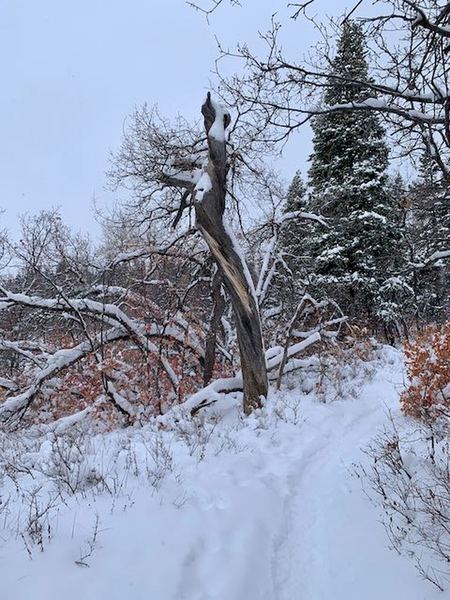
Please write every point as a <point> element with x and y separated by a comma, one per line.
<point>209,210</point>
<point>214,327</point>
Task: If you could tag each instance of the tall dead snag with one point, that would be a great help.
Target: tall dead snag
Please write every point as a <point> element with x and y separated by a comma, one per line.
<point>209,202</point>
<point>172,168</point>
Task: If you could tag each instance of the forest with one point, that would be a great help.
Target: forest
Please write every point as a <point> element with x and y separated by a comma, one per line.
<point>241,387</point>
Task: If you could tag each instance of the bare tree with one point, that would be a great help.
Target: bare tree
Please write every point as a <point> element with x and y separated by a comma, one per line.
<point>63,311</point>
<point>126,326</point>
<point>157,158</point>
<point>209,202</point>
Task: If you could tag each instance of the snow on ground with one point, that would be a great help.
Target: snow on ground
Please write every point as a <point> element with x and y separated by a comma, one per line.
<point>265,508</point>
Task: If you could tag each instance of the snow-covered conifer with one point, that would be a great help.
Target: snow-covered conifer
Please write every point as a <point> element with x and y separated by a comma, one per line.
<point>352,260</point>
<point>429,231</point>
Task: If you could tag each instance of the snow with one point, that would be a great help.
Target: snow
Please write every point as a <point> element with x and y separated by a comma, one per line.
<point>439,255</point>
<point>434,258</point>
<point>363,215</point>
<point>108,313</point>
<point>382,105</point>
<point>299,214</point>
<point>186,176</point>
<point>214,392</point>
<point>203,186</point>
<point>262,508</point>
<point>217,130</point>
<point>7,384</point>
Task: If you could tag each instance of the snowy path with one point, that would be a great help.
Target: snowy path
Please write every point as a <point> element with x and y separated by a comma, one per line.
<point>271,513</point>
<point>318,537</point>
<point>334,547</point>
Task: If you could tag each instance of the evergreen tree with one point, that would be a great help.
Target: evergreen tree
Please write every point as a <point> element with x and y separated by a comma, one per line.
<point>429,232</point>
<point>296,194</point>
<point>353,259</point>
<point>293,234</point>
<point>396,297</point>
<point>292,243</point>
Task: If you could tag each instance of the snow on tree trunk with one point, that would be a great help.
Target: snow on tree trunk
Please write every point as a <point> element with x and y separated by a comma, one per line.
<point>209,209</point>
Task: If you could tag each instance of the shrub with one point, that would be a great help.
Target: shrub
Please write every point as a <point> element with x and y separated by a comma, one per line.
<point>409,480</point>
<point>428,362</point>
<point>345,367</point>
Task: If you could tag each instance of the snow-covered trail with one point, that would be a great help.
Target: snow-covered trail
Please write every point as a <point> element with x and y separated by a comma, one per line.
<point>333,546</point>
<point>271,512</point>
<point>305,528</point>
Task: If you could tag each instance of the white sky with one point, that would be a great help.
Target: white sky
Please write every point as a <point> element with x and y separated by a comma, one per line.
<point>72,70</point>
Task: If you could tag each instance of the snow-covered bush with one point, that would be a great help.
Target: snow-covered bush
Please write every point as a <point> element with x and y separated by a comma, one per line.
<point>409,477</point>
<point>42,470</point>
<point>428,361</point>
<point>346,366</point>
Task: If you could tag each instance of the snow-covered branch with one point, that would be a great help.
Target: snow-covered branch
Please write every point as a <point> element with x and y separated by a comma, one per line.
<point>55,363</point>
<point>218,388</point>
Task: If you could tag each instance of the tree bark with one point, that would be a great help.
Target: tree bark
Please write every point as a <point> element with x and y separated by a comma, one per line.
<point>209,210</point>
<point>214,327</point>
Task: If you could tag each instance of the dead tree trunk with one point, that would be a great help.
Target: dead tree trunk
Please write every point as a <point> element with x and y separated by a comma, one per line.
<point>214,327</point>
<point>209,202</point>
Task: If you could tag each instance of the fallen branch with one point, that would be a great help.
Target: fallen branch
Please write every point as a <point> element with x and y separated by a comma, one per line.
<point>274,358</point>
<point>57,362</point>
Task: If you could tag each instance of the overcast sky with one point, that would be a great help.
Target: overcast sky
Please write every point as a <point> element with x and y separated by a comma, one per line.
<point>73,70</point>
